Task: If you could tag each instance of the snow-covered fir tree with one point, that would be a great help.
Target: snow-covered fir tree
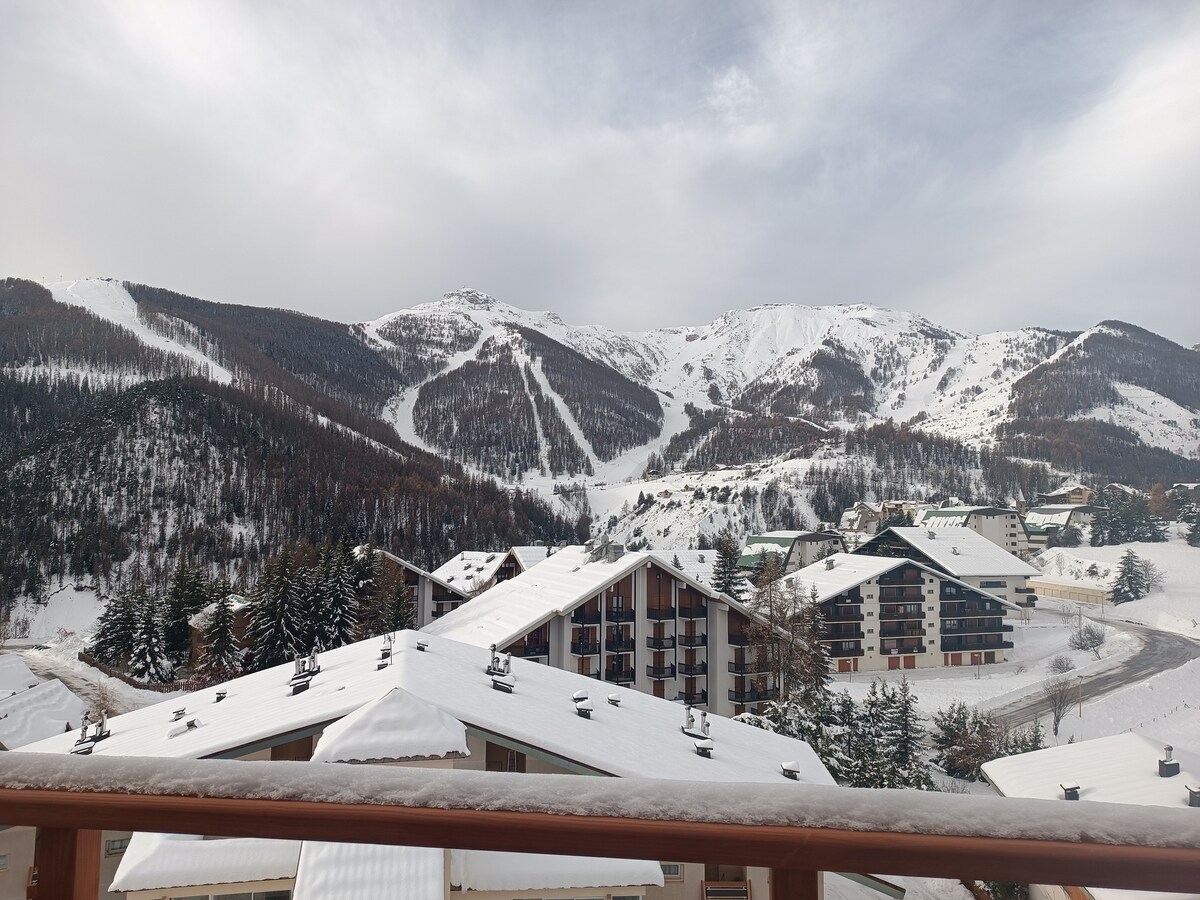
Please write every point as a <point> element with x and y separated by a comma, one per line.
<point>901,741</point>
<point>276,633</point>
<point>1130,583</point>
<point>1193,535</point>
<point>188,594</point>
<point>339,596</point>
<point>148,661</point>
<point>220,658</point>
<point>112,641</point>
<point>726,577</point>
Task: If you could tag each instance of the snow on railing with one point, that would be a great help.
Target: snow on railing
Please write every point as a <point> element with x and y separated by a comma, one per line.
<point>785,825</point>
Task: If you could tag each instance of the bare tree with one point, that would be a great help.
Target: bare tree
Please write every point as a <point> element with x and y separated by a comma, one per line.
<point>5,629</point>
<point>1057,692</point>
<point>1060,664</point>
<point>1088,636</point>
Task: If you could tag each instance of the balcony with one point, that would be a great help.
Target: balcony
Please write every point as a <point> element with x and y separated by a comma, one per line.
<point>905,650</point>
<point>753,695</point>
<point>848,615</point>
<point>739,639</point>
<point>958,645</point>
<point>842,634</point>
<point>531,650</point>
<point>750,667</point>
<point>964,610</point>
<point>901,632</point>
<point>693,612</point>
<point>621,645</point>
<point>693,669</point>
<point>660,613</point>
<point>693,698</point>
<point>585,648</point>
<point>619,676</point>
<point>661,643</point>
<point>658,673</point>
<point>840,652</point>
<point>981,838</point>
<point>988,628</point>
<point>900,595</point>
<point>585,617</point>
<point>692,640</point>
<point>900,615</point>
<point>619,614</point>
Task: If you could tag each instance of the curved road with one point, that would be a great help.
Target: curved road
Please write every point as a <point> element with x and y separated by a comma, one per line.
<point>1161,650</point>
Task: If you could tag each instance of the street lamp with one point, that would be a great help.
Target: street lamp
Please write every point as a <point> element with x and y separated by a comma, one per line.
<point>1080,682</point>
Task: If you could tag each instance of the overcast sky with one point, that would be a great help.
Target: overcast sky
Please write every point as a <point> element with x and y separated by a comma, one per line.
<point>634,164</point>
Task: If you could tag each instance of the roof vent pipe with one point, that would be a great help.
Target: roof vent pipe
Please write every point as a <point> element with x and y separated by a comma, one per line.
<point>1070,790</point>
<point>932,535</point>
<point>579,695</point>
<point>178,714</point>
<point>422,645</point>
<point>503,683</point>
<point>1168,766</point>
<point>614,699</point>
<point>704,748</point>
<point>954,550</point>
<point>1193,794</point>
<point>829,563</point>
<point>221,695</point>
<point>583,709</point>
<point>791,769</point>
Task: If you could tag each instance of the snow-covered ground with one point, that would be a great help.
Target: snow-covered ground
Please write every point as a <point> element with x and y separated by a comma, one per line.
<point>1175,607</point>
<point>60,659</point>
<point>66,610</point>
<point>1034,645</point>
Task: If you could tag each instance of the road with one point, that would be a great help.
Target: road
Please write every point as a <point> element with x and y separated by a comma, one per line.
<point>90,690</point>
<point>1161,650</point>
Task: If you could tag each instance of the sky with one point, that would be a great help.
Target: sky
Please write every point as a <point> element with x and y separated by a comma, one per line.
<point>632,164</point>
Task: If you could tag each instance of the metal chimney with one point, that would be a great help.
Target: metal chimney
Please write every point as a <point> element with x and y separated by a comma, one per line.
<point>1168,766</point>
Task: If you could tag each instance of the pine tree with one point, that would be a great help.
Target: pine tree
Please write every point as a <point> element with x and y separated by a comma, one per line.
<point>148,661</point>
<point>188,594</point>
<point>726,577</point>
<point>112,641</point>
<point>221,658</point>
<point>1130,582</point>
<point>903,736</point>
<point>274,630</point>
<point>341,604</point>
<point>1193,537</point>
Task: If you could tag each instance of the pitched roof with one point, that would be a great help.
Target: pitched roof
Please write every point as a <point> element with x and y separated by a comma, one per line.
<point>640,737</point>
<point>156,861</point>
<point>471,569</point>
<point>960,551</point>
<point>397,726</point>
<point>14,674</point>
<point>1039,518</point>
<point>531,555</point>
<point>48,708</point>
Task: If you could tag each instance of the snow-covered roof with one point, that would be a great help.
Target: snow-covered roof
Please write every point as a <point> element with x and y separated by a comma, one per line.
<point>962,552</point>
<point>397,726</point>
<point>14,675</point>
<point>1122,768</point>
<point>199,620</point>
<point>455,588</point>
<point>558,584</point>
<point>471,569</point>
<point>1067,488</point>
<point>331,871</point>
<point>488,870</point>
<point>155,861</point>
<point>46,709</point>
<point>530,556</point>
<point>641,736</point>
<point>1039,518</point>
<point>839,572</point>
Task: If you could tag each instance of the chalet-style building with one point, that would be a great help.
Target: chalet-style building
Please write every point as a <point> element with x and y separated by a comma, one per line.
<point>890,612</point>
<point>420,700</point>
<point>198,624</point>
<point>631,618</point>
<point>1072,494</point>
<point>795,549</point>
<point>862,517</point>
<point>1042,523</point>
<point>962,554</point>
<point>999,525</point>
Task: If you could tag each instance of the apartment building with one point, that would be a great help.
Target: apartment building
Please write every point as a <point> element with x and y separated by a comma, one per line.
<point>1042,523</point>
<point>628,618</point>
<point>889,612</point>
<point>1001,526</point>
<point>963,554</point>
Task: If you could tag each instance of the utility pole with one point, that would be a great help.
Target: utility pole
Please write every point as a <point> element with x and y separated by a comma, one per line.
<point>1080,683</point>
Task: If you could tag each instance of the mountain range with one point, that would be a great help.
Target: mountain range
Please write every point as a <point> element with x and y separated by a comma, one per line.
<point>143,423</point>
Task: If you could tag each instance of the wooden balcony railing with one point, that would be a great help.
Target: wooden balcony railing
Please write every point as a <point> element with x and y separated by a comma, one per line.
<point>792,828</point>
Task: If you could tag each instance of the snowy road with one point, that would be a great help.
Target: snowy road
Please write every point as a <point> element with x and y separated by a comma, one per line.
<point>89,684</point>
<point>1161,651</point>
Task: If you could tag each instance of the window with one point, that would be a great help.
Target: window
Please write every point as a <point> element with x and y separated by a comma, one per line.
<point>116,846</point>
<point>993,584</point>
<point>3,862</point>
<point>672,871</point>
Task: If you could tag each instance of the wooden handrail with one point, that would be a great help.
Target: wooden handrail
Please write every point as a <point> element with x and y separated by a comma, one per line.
<point>435,810</point>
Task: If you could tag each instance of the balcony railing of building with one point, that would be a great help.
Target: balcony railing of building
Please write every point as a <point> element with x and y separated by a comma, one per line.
<point>842,633</point>
<point>693,669</point>
<point>660,672</point>
<point>896,594</point>
<point>585,648</point>
<point>911,833</point>
<point>901,631</point>
<point>693,612</point>
<point>753,695</point>
<point>661,643</point>
<point>619,676</point>
<point>899,614</point>
<point>619,614</point>
<point>660,613</point>
<point>739,639</point>
<point>749,667</point>
<point>975,628</point>
<point>620,645</point>
<point>845,614</point>
<point>838,652</point>
<point>902,650</point>
<point>692,640</point>
<point>963,609</point>
<point>532,649</point>
<point>954,645</point>
<point>694,698</point>
<point>909,578</point>
<point>585,617</point>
